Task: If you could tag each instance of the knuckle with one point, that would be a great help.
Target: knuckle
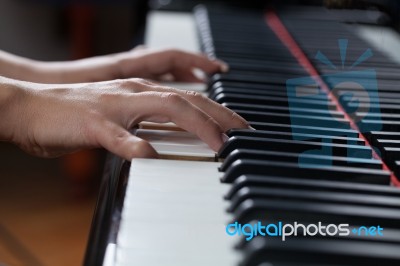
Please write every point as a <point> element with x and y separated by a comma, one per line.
<point>209,122</point>
<point>194,94</point>
<point>171,98</point>
<point>162,88</point>
<point>140,148</point>
<point>142,145</point>
<point>119,139</point>
<point>137,81</point>
<point>199,98</point>
<point>174,51</point>
<point>134,84</point>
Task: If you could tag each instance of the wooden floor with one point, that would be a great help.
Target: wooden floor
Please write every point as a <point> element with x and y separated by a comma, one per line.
<point>42,220</point>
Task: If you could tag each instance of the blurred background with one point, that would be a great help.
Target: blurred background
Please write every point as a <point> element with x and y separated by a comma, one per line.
<point>46,205</point>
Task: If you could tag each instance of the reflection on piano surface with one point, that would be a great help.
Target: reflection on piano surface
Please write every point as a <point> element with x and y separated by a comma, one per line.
<point>325,149</point>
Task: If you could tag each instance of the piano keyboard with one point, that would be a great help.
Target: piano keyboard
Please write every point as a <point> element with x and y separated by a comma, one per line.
<point>306,162</point>
<point>165,212</point>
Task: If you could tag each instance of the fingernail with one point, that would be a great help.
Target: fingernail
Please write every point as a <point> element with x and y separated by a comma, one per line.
<point>224,67</point>
<point>224,137</point>
<point>252,128</point>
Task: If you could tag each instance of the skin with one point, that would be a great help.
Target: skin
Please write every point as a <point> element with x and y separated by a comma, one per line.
<point>63,107</point>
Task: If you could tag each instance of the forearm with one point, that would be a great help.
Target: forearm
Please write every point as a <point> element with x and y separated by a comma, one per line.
<point>20,68</point>
<point>92,69</point>
<point>16,67</point>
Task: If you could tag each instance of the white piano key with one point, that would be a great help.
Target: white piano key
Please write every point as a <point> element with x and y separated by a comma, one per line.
<point>174,30</point>
<point>171,30</point>
<point>174,214</point>
<point>177,143</point>
<point>159,126</point>
<point>384,39</point>
<point>109,256</point>
<point>189,86</point>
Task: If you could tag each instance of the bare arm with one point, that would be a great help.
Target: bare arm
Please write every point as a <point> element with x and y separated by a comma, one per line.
<point>141,63</point>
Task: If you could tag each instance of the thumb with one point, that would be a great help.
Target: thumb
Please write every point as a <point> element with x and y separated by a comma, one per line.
<point>121,142</point>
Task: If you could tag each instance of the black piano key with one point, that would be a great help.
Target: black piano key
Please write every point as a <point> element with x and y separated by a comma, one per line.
<point>225,55</point>
<point>311,196</point>
<point>292,157</point>
<point>388,143</point>
<point>376,100</point>
<point>388,95</point>
<point>237,52</point>
<point>245,46</point>
<point>390,236</point>
<point>375,116</point>
<point>305,129</point>
<point>322,252</point>
<point>295,136</point>
<point>297,119</point>
<point>282,109</point>
<point>310,184</point>
<point>384,108</point>
<point>262,67</point>
<point>268,79</point>
<point>390,153</point>
<point>291,210</point>
<point>250,86</point>
<point>298,146</point>
<point>379,95</point>
<point>307,171</point>
<point>387,87</point>
<point>386,125</point>
<point>243,65</point>
<point>384,73</point>
<point>257,99</point>
<point>385,135</point>
<point>216,91</point>
<point>251,99</point>
<point>270,64</point>
<point>396,168</point>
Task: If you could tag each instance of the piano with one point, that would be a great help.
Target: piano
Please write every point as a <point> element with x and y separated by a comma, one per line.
<point>325,155</point>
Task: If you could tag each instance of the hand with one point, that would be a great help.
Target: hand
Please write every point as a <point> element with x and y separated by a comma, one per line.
<point>51,120</point>
<point>170,64</point>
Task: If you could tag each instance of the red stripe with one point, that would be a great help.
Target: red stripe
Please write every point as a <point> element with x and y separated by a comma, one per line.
<point>286,38</point>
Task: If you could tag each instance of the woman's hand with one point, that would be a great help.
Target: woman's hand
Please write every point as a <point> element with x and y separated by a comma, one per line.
<point>167,64</point>
<point>51,120</point>
<point>171,64</point>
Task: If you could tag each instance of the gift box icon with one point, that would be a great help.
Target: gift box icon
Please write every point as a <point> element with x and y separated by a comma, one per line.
<point>357,93</point>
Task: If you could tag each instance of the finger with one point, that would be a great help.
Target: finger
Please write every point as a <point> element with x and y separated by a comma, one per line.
<point>139,47</point>
<point>190,60</point>
<point>171,107</point>
<point>119,141</point>
<point>186,75</point>
<point>145,82</point>
<point>225,117</point>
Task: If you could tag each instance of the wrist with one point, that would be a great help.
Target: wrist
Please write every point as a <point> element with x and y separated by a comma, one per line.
<point>92,69</point>
<point>11,92</point>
